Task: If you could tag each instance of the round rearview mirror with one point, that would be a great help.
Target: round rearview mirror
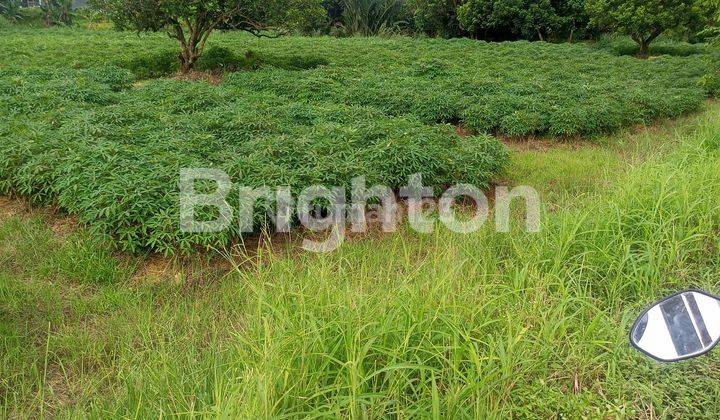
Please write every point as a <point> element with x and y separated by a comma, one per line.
<point>682,326</point>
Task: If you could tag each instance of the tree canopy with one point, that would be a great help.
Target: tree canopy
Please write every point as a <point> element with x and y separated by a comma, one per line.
<point>528,19</point>
<point>191,22</point>
<point>645,20</point>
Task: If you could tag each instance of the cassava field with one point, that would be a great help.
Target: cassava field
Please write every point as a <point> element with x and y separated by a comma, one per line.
<point>107,309</point>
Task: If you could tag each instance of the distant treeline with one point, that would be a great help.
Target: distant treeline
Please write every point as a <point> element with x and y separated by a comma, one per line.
<point>497,20</point>
<point>494,20</point>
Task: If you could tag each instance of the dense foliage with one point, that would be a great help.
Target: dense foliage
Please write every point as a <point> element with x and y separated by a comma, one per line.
<point>372,17</point>
<point>523,19</point>
<point>10,9</point>
<point>509,92</point>
<point>645,20</point>
<point>112,156</point>
<point>550,20</point>
<point>57,12</point>
<point>664,45</point>
<point>489,325</point>
<point>436,17</point>
<point>510,88</point>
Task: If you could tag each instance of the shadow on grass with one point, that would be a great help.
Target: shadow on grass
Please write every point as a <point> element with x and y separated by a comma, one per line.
<point>216,60</point>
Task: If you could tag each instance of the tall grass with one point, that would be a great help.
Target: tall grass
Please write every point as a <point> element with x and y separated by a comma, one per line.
<point>409,325</point>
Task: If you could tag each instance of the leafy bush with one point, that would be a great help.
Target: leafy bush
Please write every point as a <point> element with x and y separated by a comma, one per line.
<point>92,18</point>
<point>151,64</point>
<point>32,17</point>
<point>436,17</point>
<point>644,21</point>
<point>57,12</point>
<point>510,89</point>
<point>711,81</point>
<point>218,59</point>
<point>288,62</point>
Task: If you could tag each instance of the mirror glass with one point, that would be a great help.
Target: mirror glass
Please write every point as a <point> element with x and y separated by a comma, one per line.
<point>684,325</point>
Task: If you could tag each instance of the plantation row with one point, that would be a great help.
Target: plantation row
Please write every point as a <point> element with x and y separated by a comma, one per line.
<point>112,155</point>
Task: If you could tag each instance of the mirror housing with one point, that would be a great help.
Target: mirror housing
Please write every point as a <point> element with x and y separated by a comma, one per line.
<point>682,326</point>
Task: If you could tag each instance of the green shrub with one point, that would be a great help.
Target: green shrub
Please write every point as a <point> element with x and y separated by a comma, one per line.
<point>523,19</point>
<point>289,62</point>
<point>32,16</point>
<point>10,10</point>
<point>57,12</point>
<point>436,17</point>
<point>218,59</point>
<point>151,64</point>
<point>711,81</point>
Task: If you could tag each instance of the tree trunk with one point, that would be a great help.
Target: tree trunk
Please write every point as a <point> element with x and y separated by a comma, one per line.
<point>188,58</point>
<point>645,43</point>
<point>194,43</point>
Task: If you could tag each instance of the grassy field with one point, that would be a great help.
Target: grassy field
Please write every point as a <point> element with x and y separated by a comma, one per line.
<point>491,324</point>
<point>441,325</point>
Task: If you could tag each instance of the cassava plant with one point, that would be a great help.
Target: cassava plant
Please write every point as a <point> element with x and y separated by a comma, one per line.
<point>191,22</point>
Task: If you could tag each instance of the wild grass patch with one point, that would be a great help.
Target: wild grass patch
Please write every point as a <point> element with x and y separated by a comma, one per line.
<point>409,325</point>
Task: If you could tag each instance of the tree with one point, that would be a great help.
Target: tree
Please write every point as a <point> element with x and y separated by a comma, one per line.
<point>57,12</point>
<point>191,22</point>
<point>574,18</point>
<point>645,20</point>
<point>523,19</point>
<point>436,17</point>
